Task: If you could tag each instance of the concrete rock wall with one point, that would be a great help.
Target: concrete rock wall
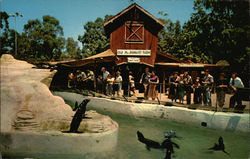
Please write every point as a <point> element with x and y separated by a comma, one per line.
<point>25,101</point>
<point>32,118</point>
<point>218,120</point>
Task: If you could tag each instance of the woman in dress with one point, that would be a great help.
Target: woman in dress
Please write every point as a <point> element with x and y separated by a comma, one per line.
<point>153,81</point>
<point>180,88</point>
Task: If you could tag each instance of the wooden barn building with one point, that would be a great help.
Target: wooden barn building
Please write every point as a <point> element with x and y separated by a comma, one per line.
<point>133,35</point>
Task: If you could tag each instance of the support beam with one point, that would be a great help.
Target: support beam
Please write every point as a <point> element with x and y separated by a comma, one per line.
<point>163,81</point>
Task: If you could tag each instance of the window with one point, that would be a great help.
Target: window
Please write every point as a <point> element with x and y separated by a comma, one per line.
<point>134,32</point>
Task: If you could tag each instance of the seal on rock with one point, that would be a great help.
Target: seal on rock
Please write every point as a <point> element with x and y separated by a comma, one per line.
<point>80,112</point>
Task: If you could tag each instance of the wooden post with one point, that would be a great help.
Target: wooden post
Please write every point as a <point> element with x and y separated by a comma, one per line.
<point>163,81</point>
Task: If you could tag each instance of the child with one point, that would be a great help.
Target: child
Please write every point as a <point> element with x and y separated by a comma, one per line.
<point>110,81</point>
<point>118,82</point>
<point>197,91</point>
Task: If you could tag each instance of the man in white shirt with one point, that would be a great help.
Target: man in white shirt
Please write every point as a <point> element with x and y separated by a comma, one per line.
<point>105,75</point>
<point>236,84</point>
<point>207,82</point>
<point>118,82</point>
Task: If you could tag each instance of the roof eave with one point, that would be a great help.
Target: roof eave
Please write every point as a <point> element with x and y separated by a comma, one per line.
<point>130,7</point>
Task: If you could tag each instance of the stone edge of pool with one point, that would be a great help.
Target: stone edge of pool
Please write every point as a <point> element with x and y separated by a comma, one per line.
<point>55,142</point>
<point>214,120</point>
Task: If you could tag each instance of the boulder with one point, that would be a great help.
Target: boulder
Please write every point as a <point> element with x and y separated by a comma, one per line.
<point>25,101</point>
<point>28,105</point>
<point>33,120</point>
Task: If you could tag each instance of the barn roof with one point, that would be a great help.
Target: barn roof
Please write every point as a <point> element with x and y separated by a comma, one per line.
<point>134,5</point>
<point>106,56</point>
<point>107,53</point>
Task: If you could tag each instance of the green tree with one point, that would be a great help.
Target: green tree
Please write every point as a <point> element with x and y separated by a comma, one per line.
<point>4,20</point>
<point>219,30</point>
<point>171,39</point>
<point>6,37</point>
<point>72,49</point>
<point>94,39</point>
<point>45,38</point>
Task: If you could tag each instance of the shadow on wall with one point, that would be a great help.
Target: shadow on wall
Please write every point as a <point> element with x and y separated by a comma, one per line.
<point>232,123</point>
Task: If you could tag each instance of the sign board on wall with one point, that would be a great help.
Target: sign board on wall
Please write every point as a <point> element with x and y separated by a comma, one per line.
<point>134,60</point>
<point>133,52</point>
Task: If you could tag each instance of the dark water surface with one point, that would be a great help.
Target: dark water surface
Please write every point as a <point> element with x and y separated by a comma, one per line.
<point>193,145</point>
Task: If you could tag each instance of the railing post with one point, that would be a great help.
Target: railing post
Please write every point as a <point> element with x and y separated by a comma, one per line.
<point>160,91</point>
<point>164,82</point>
<point>128,90</point>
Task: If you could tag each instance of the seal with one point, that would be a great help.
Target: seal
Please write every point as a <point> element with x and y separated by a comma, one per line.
<point>169,146</point>
<point>220,146</point>
<point>77,118</point>
<point>149,143</point>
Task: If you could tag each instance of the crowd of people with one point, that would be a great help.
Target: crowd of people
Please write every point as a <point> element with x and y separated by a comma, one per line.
<point>80,79</point>
<point>183,84</point>
<point>108,84</point>
<point>178,85</point>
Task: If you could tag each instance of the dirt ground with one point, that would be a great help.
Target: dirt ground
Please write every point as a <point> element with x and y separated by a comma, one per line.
<point>164,97</point>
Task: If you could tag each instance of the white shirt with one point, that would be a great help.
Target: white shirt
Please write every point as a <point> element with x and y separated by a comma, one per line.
<point>131,79</point>
<point>118,79</point>
<point>237,83</point>
<point>110,80</point>
<point>209,78</point>
<point>105,75</point>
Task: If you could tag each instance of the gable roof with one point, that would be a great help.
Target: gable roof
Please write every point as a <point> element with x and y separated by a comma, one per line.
<point>131,7</point>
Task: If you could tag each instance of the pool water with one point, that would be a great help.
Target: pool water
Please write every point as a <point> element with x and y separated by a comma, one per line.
<point>194,143</point>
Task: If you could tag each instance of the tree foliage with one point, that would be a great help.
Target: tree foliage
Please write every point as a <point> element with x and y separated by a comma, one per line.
<point>72,50</point>
<point>173,40</point>
<point>220,31</point>
<point>6,38</point>
<point>217,30</point>
<point>43,39</point>
<point>94,39</point>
